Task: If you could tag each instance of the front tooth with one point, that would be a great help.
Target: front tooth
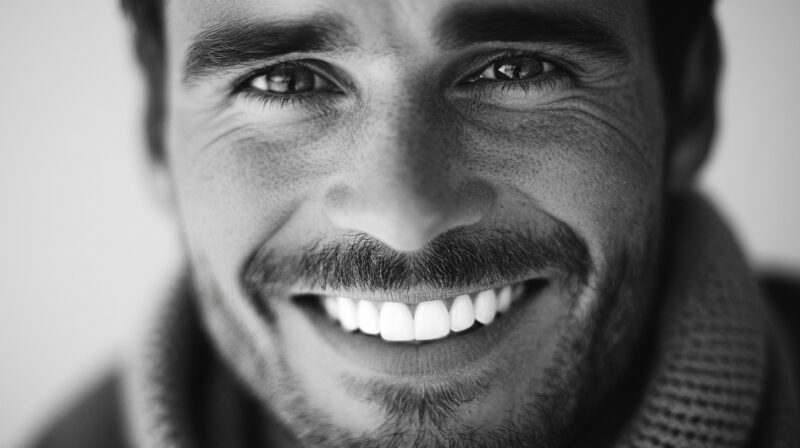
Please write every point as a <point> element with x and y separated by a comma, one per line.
<point>431,320</point>
<point>396,322</point>
<point>504,299</point>
<point>347,313</point>
<point>367,316</point>
<point>485,307</point>
<point>517,290</point>
<point>331,307</point>
<point>462,314</point>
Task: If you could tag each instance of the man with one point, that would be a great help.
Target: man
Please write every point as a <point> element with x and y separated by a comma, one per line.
<point>444,223</point>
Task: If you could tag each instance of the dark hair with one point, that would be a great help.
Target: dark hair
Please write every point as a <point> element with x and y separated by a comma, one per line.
<point>674,23</point>
<point>147,17</point>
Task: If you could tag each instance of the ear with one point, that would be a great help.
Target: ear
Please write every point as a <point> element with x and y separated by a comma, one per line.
<point>693,119</point>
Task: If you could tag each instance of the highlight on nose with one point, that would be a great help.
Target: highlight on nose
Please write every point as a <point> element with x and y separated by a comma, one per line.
<point>406,219</point>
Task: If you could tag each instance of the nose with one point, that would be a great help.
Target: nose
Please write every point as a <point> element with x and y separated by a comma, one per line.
<point>405,187</point>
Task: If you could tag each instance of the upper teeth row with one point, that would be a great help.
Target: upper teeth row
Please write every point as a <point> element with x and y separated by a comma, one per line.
<point>394,321</point>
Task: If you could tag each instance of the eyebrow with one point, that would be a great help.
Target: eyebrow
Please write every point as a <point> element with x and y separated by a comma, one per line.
<point>467,24</point>
<point>234,44</point>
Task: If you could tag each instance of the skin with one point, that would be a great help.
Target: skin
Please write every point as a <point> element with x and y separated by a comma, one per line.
<point>405,154</point>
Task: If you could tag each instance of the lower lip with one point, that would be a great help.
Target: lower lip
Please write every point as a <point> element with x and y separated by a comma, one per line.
<point>442,356</point>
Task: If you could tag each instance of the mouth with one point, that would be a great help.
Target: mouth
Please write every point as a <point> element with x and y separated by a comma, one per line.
<point>420,322</point>
<point>416,335</point>
<point>399,322</point>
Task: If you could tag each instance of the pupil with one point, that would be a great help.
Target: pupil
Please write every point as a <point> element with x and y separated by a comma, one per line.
<point>518,69</point>
<point>290,80</point>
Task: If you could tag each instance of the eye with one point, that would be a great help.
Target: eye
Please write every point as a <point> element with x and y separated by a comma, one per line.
<point>513,68</point>
<point>289,79</point>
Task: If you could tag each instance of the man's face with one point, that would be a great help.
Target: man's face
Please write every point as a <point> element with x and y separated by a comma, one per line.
<point>428,162</point>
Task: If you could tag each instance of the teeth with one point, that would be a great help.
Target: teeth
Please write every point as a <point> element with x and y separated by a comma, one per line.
<point>462,314</point>
<point>396,322</point>
<point>347,313</point>
<point>485,307</point>
<point>367,317</point>
<point>431,320</point>
<point>332,307</point>
<point>504,299</point>
<point>393,321</point>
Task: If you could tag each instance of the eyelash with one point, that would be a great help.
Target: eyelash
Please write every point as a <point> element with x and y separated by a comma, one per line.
<point>553,79</point>
<point>268,100</point>
<point>557,77</point>
<point>315,98</point>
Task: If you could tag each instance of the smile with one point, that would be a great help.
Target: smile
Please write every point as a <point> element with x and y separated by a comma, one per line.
<point>415,334</point>
<point>423,321</point>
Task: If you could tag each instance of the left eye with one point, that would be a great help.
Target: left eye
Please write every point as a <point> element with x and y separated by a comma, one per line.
<point>516,68</point>
<point>288,79</point>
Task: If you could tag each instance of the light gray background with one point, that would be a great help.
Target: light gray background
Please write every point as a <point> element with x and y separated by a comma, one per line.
<point>85,251</point>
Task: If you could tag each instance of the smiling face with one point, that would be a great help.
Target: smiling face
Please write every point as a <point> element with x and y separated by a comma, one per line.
<point>419,220</point>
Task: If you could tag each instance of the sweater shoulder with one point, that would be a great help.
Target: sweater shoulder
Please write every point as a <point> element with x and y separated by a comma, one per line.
<point>782,294</point>
<point>93,420</point>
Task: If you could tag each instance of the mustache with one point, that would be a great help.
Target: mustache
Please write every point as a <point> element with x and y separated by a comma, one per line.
<point>461,258</point>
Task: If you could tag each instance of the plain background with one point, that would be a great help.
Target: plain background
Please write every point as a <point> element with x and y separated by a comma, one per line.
<point>85,251</point>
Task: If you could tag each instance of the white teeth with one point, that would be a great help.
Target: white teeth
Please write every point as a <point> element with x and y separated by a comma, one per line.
<point>393,321</point>
<point>367,317</point>
<point>347,313</point>
<point>396,322</point>
<point>462,314</point>
<point>485,307</point>
<point>516,290</point>
<point>331,307</point>
<point>431,320</point>
<point>504,299</point>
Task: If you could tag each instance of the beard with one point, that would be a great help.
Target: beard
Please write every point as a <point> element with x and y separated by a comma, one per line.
<point>591,353</point>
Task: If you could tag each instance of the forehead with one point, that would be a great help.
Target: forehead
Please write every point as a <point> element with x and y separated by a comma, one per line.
<point>394,24</point>
<point>379,12</point>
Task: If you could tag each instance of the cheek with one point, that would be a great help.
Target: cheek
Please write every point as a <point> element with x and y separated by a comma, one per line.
<point>598,176</point>
<point>238,184</point>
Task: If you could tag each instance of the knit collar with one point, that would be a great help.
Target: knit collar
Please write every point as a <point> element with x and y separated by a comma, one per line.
<point>708,387</point>
<point>711,347</point>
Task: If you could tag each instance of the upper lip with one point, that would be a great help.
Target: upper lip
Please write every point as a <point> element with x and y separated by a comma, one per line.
<point>411,296</point>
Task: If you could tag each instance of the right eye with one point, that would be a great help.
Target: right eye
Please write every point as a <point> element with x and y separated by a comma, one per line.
<point>519,68</point>
<point>289,79</point>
